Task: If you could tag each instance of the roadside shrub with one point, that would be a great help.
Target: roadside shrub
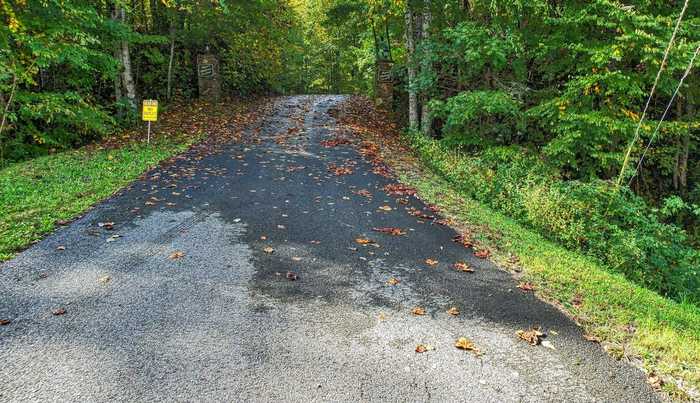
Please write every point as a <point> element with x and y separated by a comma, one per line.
<point>615,226</point>
<point>478,118</point>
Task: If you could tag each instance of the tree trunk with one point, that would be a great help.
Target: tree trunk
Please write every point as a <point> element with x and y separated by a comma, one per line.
<point>5,113</point>
<point>117,55</point>
<point>426,121</point>
<point>170,61</point>
<point>411,48</point>
<point>127,77</point>
<point>685,154</point>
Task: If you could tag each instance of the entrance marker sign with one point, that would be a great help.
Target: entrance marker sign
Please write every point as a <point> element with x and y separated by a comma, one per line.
<point>149,114</point>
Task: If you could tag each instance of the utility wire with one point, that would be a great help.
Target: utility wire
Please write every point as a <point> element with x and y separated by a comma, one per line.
<point>651,94</point>
<point>668,107</point>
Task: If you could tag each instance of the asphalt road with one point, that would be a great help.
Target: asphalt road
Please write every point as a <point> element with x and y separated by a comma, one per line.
<point>221,321</point>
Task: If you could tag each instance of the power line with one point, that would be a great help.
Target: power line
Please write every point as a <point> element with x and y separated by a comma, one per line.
<point>668,107</point>
<point>651,94</point>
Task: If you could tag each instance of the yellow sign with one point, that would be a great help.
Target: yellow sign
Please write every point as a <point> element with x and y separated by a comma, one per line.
<point>150,110</point>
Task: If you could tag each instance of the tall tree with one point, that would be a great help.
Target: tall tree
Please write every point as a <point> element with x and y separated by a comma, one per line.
<point>125,59</point>
<point>426,67</point>
<point>410,33</point>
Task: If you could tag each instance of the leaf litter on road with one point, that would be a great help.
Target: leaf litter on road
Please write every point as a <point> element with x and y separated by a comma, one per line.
<point>465,344</point>
<point>526,286</point>
<point>393,281</point>
<point>418,311</point>
<point>482,254</point>
<point>463,267</point>
<point>364,241</point>
<point>178,254</point>
<point>58,311</point>
<point>389,230</point>
<point>422,348</point>
<point>533,335</point>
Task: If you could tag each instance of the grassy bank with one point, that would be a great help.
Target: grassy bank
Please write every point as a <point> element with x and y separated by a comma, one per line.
<point>632,322</point>
<point>36,194</point>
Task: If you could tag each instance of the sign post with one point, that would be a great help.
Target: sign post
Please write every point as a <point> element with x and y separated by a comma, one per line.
<point>149,114</point>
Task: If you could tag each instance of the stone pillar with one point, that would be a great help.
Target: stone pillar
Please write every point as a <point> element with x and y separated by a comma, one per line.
<point>208,77</point>
<point>384,85</point>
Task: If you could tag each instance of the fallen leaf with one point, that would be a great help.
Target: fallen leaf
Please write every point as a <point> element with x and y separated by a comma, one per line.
<point>106,225</point>
<point>422,348</point>
<point>363,193</point>
<point>393,281</point>
<point>465,344</point>
<point>176,255</point>
<point>385,208</point>
<point>418,311</point>
<point>390,230</point>
<point>431,262</point>
<point>364,241</point>
<point>420,214</point>
<point>268,250</point>
<point>482,254</point>
<point>463,267</point>
<point>655,381</point>
<point>454,311</point>
<point>335,142</point>
<point>58,311</point>
<point>577,300</point>
<point>398,189</point>
<point>533,336</point>
<point>5,322</point>
<point>104,279</point>
<point>464,240</point>
<point>526,286</point>
<point>591,338</point>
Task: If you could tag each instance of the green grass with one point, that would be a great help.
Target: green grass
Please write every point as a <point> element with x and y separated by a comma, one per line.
<point>35,194</point>
<point>666,334</point>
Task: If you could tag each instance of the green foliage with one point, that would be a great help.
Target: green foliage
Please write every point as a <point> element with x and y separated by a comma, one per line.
<point>52,61</point>
<point>61,61</point>
<point>37,193</point>
<point>545,98</point>
<point>479,118</point>
<point>618,228</point>
<point>667,333</point>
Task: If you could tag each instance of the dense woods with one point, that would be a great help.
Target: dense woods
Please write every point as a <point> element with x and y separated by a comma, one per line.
<point>533,107</point>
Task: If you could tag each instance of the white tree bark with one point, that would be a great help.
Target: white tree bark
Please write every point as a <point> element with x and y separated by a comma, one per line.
<point>426,122</point>
<point>127,77</point>
<point>411,47</point>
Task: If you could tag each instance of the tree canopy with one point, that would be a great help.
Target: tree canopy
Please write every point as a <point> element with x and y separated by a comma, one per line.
<point>549,89</point>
